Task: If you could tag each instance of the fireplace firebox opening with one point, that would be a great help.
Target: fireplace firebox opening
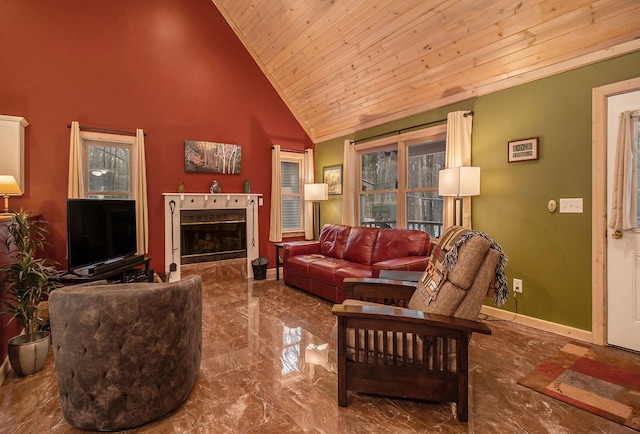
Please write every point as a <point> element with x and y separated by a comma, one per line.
<point>212,235</point>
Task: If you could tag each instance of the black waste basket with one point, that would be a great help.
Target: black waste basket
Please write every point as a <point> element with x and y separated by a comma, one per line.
<point>259,266</point>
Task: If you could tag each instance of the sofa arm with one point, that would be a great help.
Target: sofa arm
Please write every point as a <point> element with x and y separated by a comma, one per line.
<point>385,291</point>
<point>307,248</point>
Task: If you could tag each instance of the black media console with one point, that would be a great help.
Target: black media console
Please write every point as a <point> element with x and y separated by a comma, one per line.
<point>126,270</point>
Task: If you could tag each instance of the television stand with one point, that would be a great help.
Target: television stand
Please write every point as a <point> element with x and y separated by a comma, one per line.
<point>130,269</point>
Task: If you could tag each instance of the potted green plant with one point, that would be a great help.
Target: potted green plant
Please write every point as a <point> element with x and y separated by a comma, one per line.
<point>28,279</point>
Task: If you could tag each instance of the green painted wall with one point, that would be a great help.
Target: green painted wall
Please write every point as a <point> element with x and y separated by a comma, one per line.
<point>550,252</point>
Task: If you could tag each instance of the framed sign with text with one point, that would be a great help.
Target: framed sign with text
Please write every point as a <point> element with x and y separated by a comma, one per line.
<point>523,150</point>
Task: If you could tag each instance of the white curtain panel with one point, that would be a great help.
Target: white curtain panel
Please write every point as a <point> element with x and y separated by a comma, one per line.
<point>623,201</point>
<point>457,153</point>
<point>349,190</point>
<point>275,221</point>
<point>142,207</point>
<point>309,178</point>
<point>76,180</point>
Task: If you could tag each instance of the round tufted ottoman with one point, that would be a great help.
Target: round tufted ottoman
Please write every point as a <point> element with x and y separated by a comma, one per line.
<point>125,354</point>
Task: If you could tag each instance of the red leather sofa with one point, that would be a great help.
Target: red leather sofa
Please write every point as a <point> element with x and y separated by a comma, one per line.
<point>320,267</point>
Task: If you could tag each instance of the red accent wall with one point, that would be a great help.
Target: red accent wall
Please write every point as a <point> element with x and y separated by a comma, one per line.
<point>173,68</point>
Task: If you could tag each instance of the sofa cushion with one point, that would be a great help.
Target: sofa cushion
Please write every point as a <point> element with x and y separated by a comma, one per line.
<point>325,269</point>
<point>360,245</point>
<point>398,243</point>
<point>353,270</point>
<point>333,240</point>
<point>300,264</point>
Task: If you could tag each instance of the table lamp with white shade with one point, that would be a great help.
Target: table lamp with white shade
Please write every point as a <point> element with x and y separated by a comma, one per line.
<point>8,187</point>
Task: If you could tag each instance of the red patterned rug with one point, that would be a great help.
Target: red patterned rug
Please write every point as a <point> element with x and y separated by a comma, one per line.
<point>600,380</point>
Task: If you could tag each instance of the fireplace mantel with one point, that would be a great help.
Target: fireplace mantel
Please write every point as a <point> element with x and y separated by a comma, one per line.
<point>192,201</point>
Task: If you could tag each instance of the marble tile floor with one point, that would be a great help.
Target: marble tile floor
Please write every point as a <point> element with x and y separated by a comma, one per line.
<point>268,367</point>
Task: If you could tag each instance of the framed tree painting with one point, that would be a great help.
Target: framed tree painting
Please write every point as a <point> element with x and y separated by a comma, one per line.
<point>210,157</point>
<point>332,175</point>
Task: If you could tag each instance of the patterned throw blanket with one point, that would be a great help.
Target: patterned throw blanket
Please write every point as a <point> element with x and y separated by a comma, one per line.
<point>445,256</point>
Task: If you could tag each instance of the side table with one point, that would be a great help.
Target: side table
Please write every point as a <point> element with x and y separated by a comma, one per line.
<point>279,247</point>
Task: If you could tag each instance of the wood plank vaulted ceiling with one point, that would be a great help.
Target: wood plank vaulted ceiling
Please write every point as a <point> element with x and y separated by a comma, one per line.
<point>345,65</point>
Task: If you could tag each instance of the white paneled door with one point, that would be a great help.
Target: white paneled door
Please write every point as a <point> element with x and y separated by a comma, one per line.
<point>623,254</point>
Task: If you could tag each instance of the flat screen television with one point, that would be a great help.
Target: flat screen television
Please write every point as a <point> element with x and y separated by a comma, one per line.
<point>100,230</point>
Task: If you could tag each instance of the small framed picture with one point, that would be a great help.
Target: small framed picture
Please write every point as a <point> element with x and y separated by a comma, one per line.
<point>332,175</point>
<point>523,150</point>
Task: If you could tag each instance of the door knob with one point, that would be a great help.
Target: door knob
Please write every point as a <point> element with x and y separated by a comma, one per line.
<point>617,234</point>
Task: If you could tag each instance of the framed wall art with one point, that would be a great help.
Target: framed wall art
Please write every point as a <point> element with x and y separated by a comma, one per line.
<point>332,175</point>
<point>523,150</point>
<point>211,157</point>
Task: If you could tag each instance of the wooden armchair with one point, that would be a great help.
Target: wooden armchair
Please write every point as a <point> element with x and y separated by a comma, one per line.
<point>420,352</point>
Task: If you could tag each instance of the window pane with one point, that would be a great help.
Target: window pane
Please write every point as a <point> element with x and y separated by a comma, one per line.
<point>425,161</point>
<point>380,170</point>
<point>378,210</point>
<point>424,212</point>
<point>109,168</point>
<point>290,172</point>
<point>291,213</point>
<point>291,196</point>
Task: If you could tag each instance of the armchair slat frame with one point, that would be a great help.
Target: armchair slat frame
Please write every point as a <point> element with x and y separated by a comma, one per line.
<point>401,352</point>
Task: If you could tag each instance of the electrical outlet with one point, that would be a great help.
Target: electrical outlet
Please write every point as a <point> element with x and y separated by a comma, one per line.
<point>517,285</point>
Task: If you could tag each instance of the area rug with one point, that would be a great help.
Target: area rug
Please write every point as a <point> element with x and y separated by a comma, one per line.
<point>600,380</point>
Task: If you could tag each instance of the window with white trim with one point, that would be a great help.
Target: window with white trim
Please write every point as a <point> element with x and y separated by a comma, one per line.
<point>109,166</point>
<point>292,181</point>
<point>399,181</point>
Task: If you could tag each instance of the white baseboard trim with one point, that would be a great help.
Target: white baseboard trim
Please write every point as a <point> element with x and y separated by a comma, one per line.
<point>540,324</point>
<point>4,370</point>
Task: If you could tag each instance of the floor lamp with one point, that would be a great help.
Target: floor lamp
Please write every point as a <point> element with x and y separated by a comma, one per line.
<point>8,187</point>
<point>316,193</point>
<point>458,182</point>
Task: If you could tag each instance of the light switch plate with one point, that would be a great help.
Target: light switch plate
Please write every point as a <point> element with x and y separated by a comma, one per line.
<point>571,205</point>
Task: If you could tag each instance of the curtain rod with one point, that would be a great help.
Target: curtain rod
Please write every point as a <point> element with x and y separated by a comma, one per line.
<point>402,130</point>
<point>297,151</point>
<point>105,130</point>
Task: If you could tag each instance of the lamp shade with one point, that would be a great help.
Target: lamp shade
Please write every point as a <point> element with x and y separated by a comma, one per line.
<point>459,181</point>
<point>9,186</point>
<point>316,191</point>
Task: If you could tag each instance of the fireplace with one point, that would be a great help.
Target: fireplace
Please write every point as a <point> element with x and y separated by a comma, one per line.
<point>212,235</point>
<point>216,229</point>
